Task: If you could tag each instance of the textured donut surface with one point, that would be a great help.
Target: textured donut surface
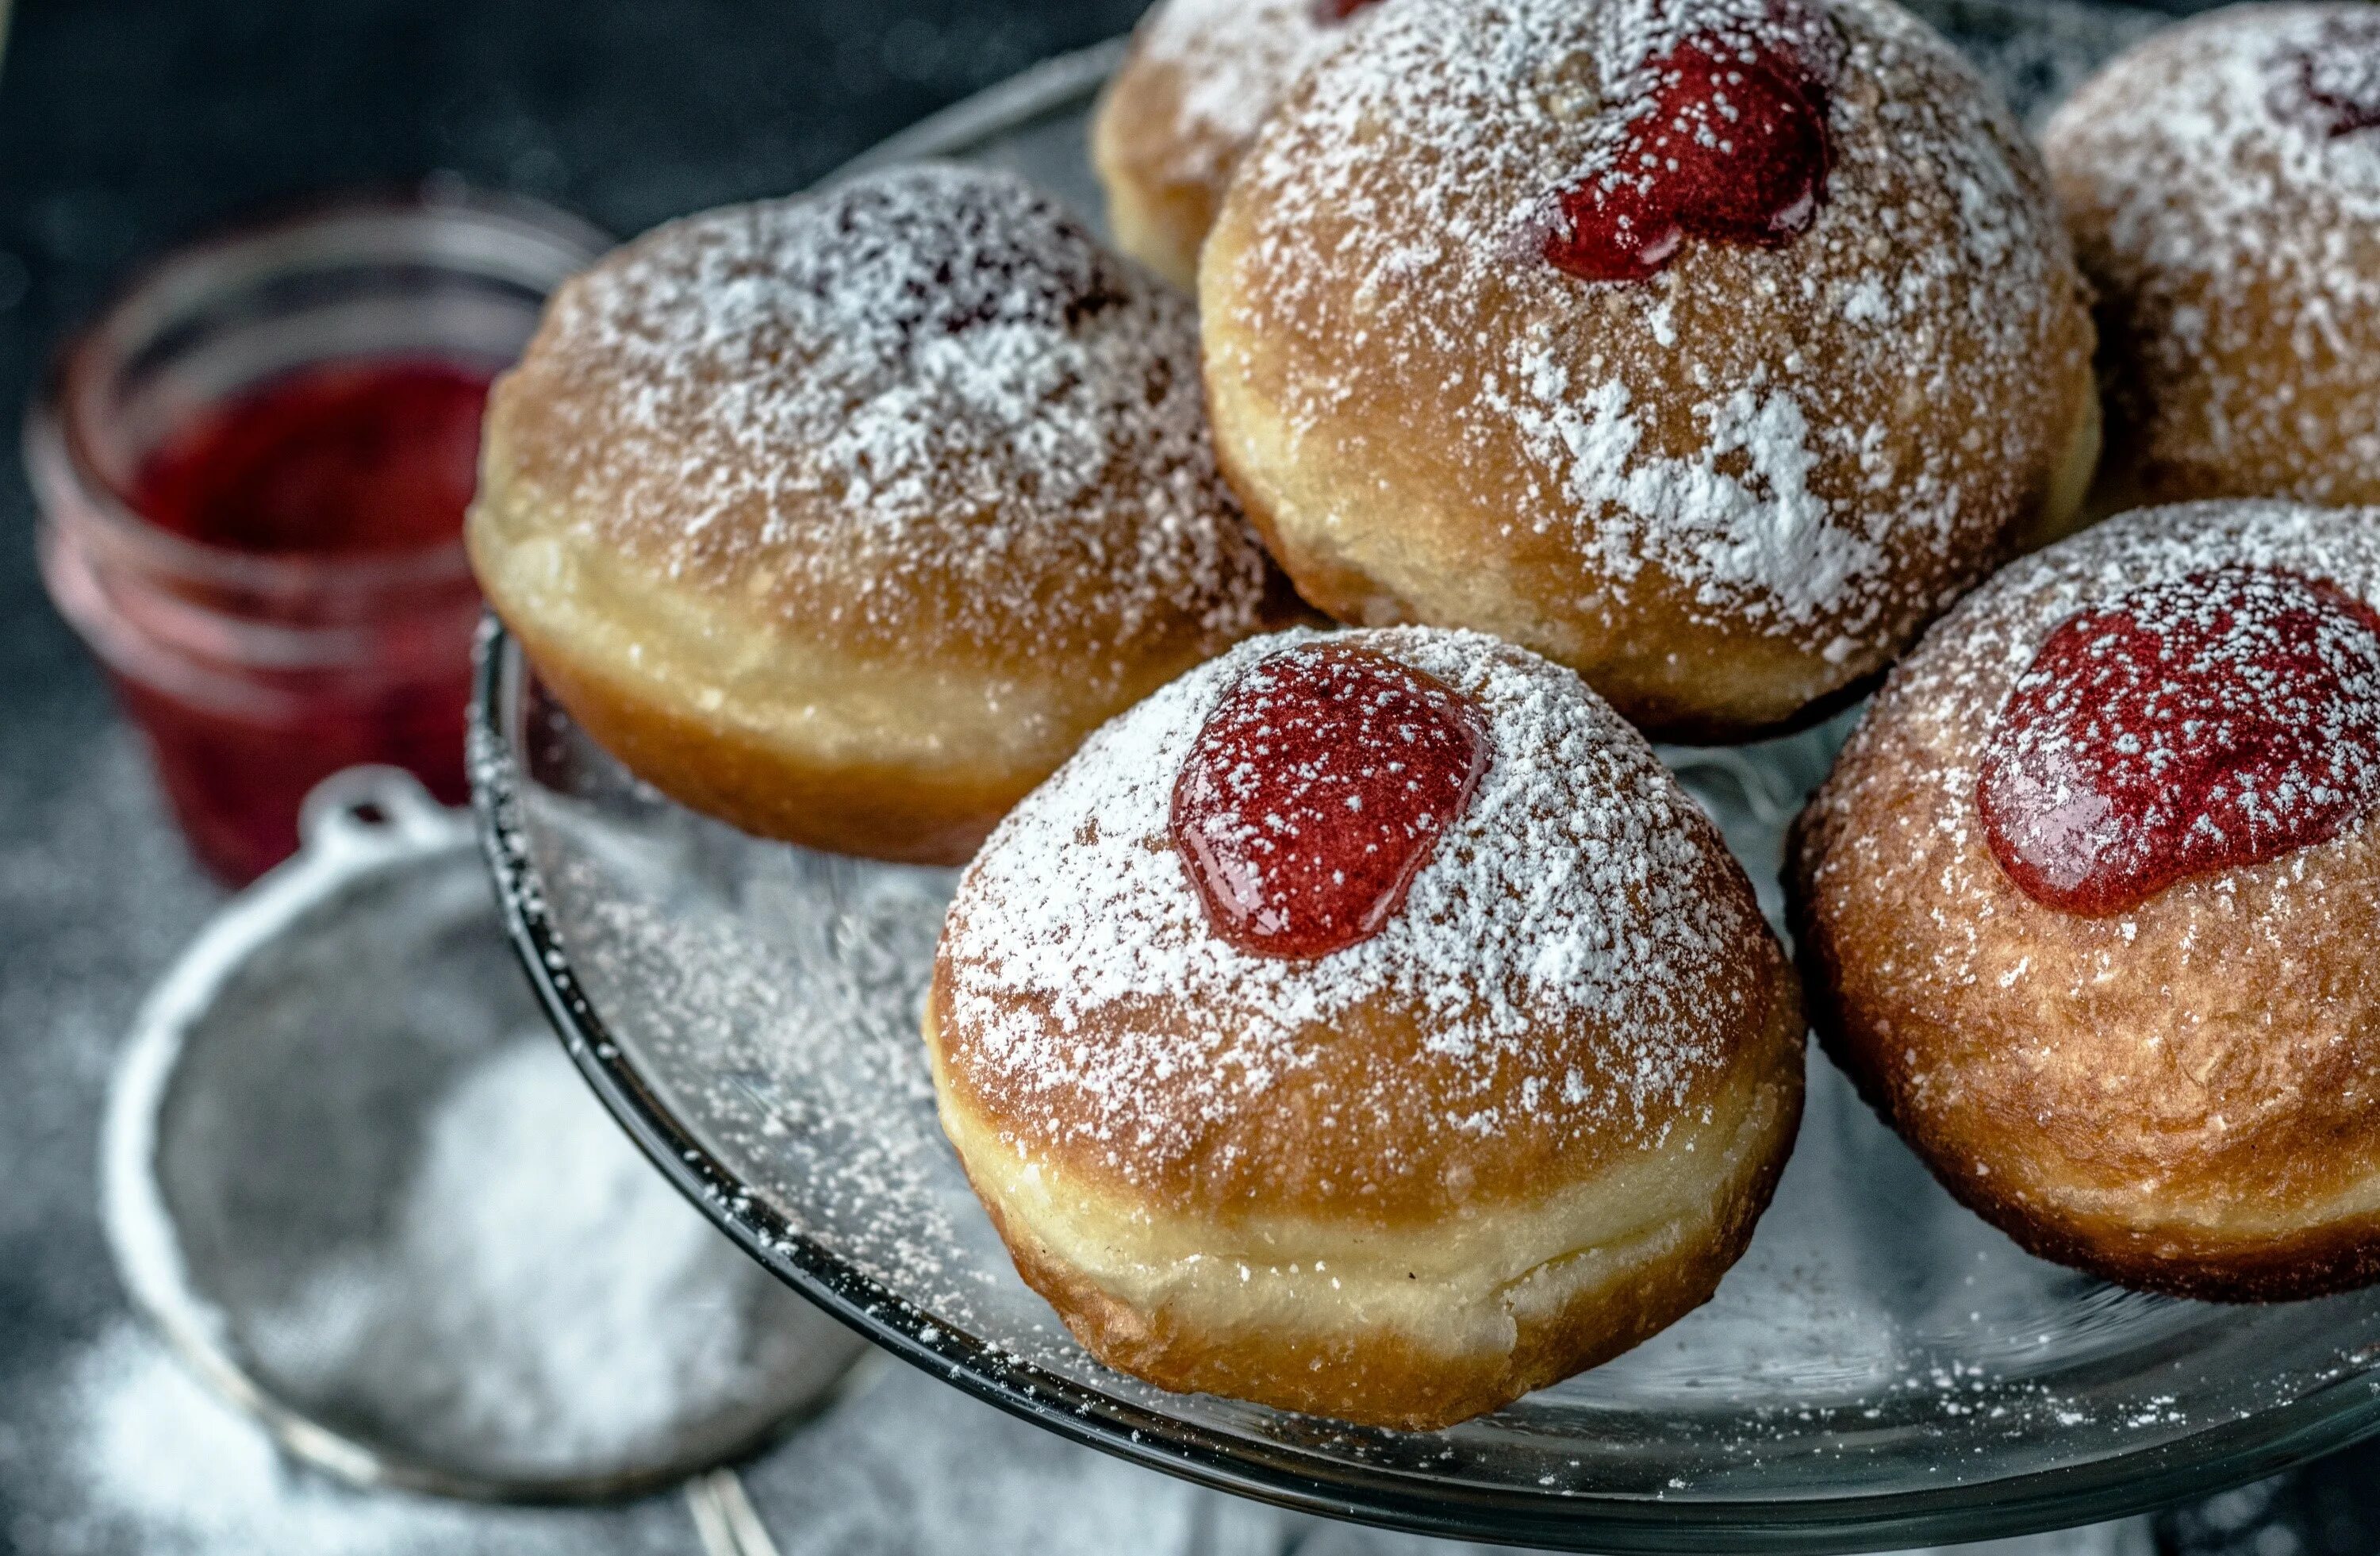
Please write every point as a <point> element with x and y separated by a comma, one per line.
<point>2233,236</point>
<point>1722,494</point>
<point>1200,79</point>
<point>1527,1125</point>
<point>846,518</point>
<point>2179,1096</point>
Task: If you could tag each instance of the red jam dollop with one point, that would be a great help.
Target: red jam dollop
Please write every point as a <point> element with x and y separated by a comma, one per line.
<point>2209,723</point>
<point>2340,75</point>
<point>1315,792</point>
<point>379,457</point>
<point>1729,145</point>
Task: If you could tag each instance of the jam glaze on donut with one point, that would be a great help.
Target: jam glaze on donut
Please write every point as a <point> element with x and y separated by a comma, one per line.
<point>2208,723</point>
<point>1316,788</point>
<point>1525,1123</point>
<point>1727,141</point>
<point>1725,493</point>
<point>2179,1094</point>
<point>2222,182</point>
<point>844,518</point>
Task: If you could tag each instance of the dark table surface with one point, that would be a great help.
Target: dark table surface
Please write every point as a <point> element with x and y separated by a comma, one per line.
<point>127,124</point>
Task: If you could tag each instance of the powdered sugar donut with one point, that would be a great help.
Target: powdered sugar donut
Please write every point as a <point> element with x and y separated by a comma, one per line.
<point>846,518</point>
<point>1365,1025</point>
<point>2223,183</point>
<point>1709,348</point>
<point>2088,903</point>
<point>1200,80</point>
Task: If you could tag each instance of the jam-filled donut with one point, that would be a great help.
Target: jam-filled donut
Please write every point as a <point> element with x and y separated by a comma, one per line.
<point>1365,1025</point>
<point>1708,347</point>
<point>2089,902</point>
<point>2222,180</point>
<point>846,518</point>
<point>1198,83</point>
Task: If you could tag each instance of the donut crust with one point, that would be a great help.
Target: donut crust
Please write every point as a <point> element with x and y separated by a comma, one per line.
<point>2232,250</point>
<point>1164,172</point>
<point>1446,428</point>
<point>844,520</point>
<point>1172,124</point>
<point>1294,1343</point>
<point>1335,1241</point>
<point>2176,1098</point>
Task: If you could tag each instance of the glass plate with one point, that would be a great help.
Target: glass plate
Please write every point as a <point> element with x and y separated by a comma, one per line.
<point>1882,1369</point>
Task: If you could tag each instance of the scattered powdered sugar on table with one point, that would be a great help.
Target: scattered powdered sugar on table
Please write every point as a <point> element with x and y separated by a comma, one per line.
<point>160,1464</point>
<point>907,1464</point>
<point>926,400</point>
<point>1574,891</point>
<point>545,1300</point>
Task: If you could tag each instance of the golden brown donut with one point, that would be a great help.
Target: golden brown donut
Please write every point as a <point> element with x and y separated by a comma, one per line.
<point>1198,84</point>
<point>1525,1124</point>
<point>2173,1091</point>
<point>844,518</point>
<point>1723,494</point>
<point>2222,179</point>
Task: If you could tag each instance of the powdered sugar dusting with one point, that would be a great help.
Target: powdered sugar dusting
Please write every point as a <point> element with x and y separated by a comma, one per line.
<point>1316,789</point>
<point>1852,1342</point>
<point>2211,720</point>
<point>1758,535</point>
<point>2228,109</point>
<point>1234,59</point>
<point>1756,426</point>
<point>2225,201</point>
<point>2163,1063</point>
<point>926,402</point>
<point>1573,895</point>
<point>544,1303</point>
<point>2340,77</point>
<point>1727,141</point>
<point>1944,699</point>
<point>1638,67</point>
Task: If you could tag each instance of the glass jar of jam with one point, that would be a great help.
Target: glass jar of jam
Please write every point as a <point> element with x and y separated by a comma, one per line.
<point>251,472</point>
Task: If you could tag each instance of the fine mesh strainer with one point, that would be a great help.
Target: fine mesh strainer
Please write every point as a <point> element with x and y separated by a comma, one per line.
<point>321,1110</point>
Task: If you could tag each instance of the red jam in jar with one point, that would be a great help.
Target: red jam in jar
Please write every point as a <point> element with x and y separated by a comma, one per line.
<point>2204,723</point>
<point>353,461</point>
<point>339,460</point>
<point>1316,791</point>
<point>252,473</point>
<point>1728,144</point>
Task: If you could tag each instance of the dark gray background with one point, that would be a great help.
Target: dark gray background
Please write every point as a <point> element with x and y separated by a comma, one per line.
<point>126,125</point>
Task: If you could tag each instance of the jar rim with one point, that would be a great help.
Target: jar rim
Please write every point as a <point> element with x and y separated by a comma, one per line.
<point>61,464</point>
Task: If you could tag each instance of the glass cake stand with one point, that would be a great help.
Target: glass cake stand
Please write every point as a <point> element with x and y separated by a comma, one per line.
<point>1881,1369</point>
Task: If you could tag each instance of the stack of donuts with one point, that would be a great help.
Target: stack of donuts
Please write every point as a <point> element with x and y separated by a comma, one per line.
<point>1342,1008</point>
